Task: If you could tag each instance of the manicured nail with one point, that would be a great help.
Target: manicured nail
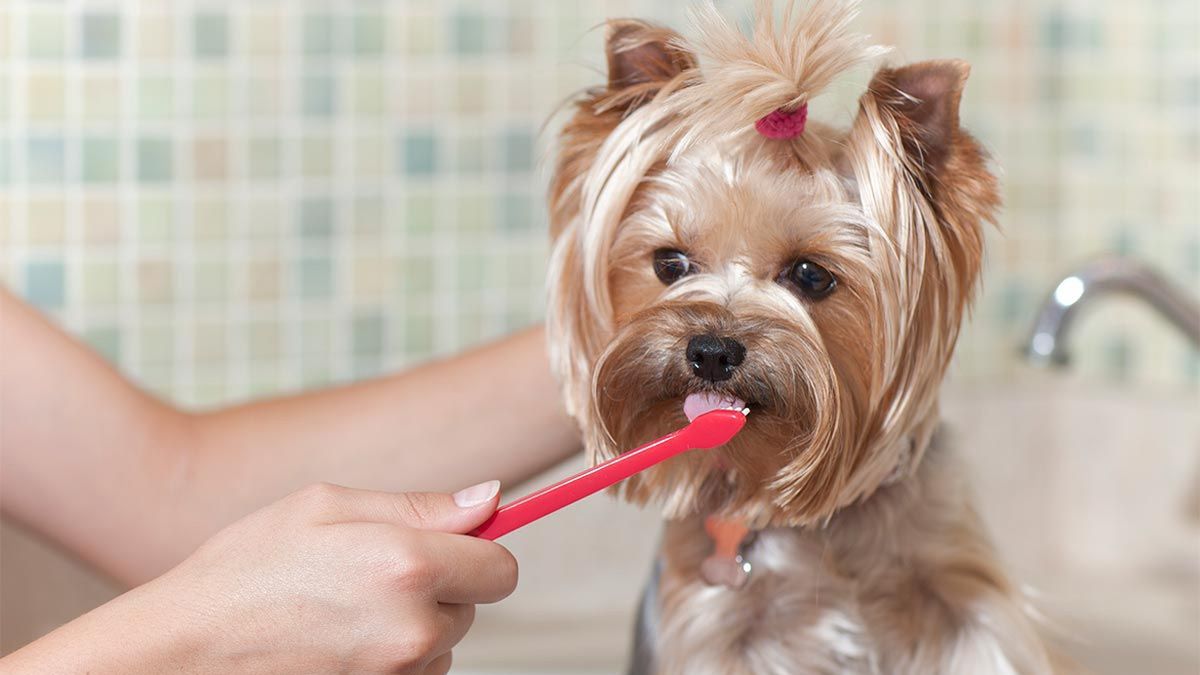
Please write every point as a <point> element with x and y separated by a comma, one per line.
<point>476,494</point>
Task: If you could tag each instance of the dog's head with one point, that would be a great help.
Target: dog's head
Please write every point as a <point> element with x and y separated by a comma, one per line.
<point>819,278</point>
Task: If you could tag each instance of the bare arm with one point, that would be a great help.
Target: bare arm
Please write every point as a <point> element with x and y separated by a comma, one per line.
<point>134,485</point>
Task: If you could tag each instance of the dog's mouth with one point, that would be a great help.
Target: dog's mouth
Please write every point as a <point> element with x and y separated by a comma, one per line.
<point>698,403</point>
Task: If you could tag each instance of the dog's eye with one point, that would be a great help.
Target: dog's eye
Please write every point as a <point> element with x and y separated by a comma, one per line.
<point>813,280</point>
<point>671,265</point>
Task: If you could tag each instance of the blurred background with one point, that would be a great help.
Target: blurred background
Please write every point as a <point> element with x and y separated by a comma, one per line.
<point>235,199</point>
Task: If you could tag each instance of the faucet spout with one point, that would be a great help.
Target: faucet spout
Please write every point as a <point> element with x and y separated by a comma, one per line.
<point>1106,276</point>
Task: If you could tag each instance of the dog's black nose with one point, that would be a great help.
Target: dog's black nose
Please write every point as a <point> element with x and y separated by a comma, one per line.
<point>714,358</point>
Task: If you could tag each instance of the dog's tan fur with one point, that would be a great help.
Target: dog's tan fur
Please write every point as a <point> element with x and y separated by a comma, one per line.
<point>869,557</point>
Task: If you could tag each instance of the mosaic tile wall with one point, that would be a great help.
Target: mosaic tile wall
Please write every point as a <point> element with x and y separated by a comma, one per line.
<point>230,199</point>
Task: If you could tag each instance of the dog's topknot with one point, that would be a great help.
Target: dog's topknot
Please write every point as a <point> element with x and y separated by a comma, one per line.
<point>782,64</point>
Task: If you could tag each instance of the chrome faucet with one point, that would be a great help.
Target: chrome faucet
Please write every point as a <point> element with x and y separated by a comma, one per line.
<point>1107,276</point>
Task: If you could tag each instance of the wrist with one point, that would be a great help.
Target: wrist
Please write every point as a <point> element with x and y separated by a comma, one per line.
<point>141,631</point>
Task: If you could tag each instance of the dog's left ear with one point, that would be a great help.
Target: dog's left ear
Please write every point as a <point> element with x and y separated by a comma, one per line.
<point>918,172</point>
<point>925,181</point>
<point>923,98</point>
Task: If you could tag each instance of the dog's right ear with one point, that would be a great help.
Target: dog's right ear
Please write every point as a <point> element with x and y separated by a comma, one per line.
<point>642,58</point>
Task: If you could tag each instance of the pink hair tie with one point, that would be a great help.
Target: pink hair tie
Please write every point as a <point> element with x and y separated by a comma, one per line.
<point>782,124</point>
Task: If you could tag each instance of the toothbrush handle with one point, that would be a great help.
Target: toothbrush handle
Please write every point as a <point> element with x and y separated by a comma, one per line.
<point>717,429</point>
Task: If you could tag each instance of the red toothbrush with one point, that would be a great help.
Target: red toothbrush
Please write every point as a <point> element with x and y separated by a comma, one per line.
<point>709,430</point>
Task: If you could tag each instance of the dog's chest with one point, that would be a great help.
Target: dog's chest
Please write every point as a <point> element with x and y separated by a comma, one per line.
<point>793,615</point>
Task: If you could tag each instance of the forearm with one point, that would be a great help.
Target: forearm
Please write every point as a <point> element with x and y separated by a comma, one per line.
<point>493,412</point>
<point>133,485</point>
<point>86,458</point>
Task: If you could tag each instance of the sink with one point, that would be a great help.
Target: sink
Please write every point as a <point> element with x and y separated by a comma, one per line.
<point>1090,492</point>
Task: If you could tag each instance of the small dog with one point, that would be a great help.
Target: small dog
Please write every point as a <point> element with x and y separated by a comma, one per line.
<point>715,248</point>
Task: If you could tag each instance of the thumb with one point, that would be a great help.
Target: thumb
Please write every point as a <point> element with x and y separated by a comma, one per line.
<point>458,513</point>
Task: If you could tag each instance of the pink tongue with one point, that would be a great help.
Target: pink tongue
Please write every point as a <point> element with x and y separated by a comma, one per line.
<point>696,405</point>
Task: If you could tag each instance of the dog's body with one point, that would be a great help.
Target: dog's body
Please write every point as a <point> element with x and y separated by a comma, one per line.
<point>713,248</point>
<point>902,583</point>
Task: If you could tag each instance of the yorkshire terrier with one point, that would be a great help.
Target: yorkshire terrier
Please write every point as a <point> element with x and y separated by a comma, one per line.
<point>715,247</point>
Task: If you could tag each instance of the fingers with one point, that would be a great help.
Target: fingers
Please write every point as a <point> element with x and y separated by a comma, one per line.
<point>458,513</point>
<point>470,570</point>
<point>439,666</point>
<point>453,621</point>
<point>435,566</point>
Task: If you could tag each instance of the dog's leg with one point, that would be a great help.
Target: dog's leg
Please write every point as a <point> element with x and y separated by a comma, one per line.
<point>641,661</point>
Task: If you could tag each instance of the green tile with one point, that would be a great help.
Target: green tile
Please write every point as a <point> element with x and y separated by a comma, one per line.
<point>46,160</point>
<point>264,340</point>
<point>316,277</point>
<point>370,156</point>
<point>368,331</point>
<point>517,319</point>
<point>46,35</point>
<point>316,338</point>
<point>209,344</point>
<point>156,97</point>
<point>101,285</point>
<point>211,281</point>
<point>368,215</point>
<point>264,158</point>
<point>105,340</point>
<point>45,284</point>
<point>1014,303</point>
<point>154,160</point>
<point>369,34</point>
<point>316,218</point>
<point>470,155</point>
<point>471,271</point>
<point>474,213</point>
<point>210,35</point>
<point>369,95</point>
<point>211,219</point>
<point>418,334</point>
<point>366,367</point>
<point>518,150</point>
<point>315,375</point>
<point>264,380</point>
<point>263,94</point>
<point>418,154</point>
<point>317,157</point>
<point>517,212</point>
<point>417,274</point>
<point>156,220</point>
<point>318,35</point>
<point>1118,358</point>
<point>210,98</point>
<point>100,36</point>
<point>470,33</point>
<point>156,343</point>
<point>210,393</point>
<point>319,96</point>
<point>421,33</point>
<point>419,213</point>
<point>100,160</point>
<point>524,271</point>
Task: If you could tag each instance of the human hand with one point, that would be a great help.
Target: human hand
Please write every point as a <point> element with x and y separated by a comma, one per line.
<point>331,579</point>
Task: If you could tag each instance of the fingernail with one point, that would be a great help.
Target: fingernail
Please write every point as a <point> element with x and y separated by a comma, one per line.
<point>476,494</point>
